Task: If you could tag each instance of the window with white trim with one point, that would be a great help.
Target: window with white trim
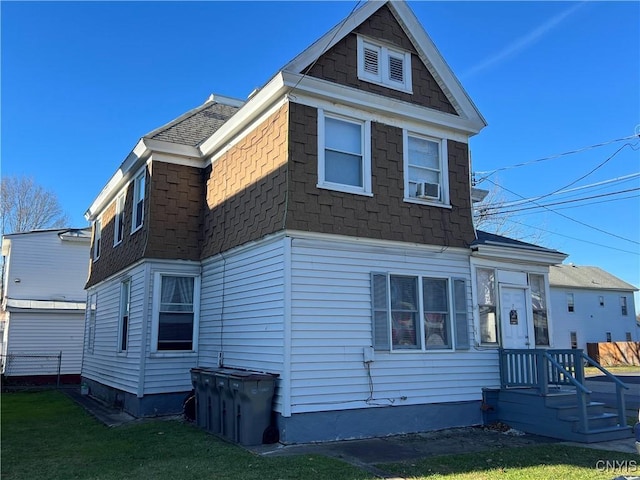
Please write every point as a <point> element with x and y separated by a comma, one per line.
<point>539,304</point>
<point>571,306</point>
<point>97,238</point>
<point>384,65</point>
<point>125,300</point>
<point>91,327</point>
<point>176,308</point>
<point>344,153</point>
<point>425,168</point>
<point>118,220</point>
<point>418,313</point>
<point>623,306</point>
<point>138,201</point>
<point>487,306</point>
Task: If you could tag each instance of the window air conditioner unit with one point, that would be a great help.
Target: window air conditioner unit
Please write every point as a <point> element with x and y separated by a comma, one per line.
<point>428,190</point>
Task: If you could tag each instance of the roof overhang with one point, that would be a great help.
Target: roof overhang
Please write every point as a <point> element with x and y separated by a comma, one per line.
<point>518,254</point>
<point>14,305</point>
<point>425,47</point>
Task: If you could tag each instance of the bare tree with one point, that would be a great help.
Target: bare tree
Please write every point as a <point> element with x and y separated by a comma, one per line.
<point>25,206</point>
<point>489,215</point>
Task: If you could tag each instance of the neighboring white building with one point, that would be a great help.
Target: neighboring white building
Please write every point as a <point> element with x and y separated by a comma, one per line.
<point>591,306</point>
<point>43,301</point>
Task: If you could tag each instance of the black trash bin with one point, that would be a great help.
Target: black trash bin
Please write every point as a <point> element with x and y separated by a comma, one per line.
<point>211,399</point>
<point>201,397</point>
<point>252,395</point>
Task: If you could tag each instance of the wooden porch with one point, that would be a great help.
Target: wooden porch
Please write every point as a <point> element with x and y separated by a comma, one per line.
<point>543,392</point>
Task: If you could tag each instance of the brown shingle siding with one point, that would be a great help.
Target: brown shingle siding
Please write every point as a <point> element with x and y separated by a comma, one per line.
<point>339,64</point>
<point>131,249</point>
<point>246,188</point>
<point>385,216</point>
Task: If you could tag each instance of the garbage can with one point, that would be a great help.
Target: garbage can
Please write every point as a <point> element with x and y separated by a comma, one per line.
<point>225,405</point>
<point>210,407</point>
<point>201,397</point>
<point>252,395</point>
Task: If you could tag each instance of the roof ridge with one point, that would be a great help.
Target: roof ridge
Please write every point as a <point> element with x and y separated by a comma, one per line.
<point>210,101</point>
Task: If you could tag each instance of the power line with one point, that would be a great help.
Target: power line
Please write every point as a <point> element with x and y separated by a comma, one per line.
<point>515,203</point>
<point>563,202</point>
<point>572,219</point>
<point>580,206</point>
<point>552,157</point>
<point>573,238</point>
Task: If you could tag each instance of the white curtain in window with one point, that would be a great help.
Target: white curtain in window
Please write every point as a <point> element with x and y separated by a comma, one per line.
<point>177,294</point>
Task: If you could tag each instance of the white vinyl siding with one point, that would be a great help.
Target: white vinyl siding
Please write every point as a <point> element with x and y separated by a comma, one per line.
<point>105,364</point>
<point>331,322</point>
<point>33,253</point>
<point>243,303</point>
<point>56,332</point>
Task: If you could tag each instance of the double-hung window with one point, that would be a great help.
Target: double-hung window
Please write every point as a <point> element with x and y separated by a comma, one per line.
<point>623,305</point>
<point>97,238</point>
<point>176,312</point>
<point>425,168</point>
<point>418,313</point>
<point>118,233</point>
<point>138,201</point>
<point>125,300</point>
<point>384,65</point>
<point>571,306</point>
<point>344,153</point>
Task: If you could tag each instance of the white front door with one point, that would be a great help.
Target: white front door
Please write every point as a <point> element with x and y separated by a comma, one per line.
<point>514,317</point>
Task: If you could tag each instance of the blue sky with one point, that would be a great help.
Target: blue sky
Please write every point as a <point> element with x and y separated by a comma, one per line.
<point>83,81</point>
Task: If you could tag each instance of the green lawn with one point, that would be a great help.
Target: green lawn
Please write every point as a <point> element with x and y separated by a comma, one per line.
<point>47,436</point>
<point>543,462</point>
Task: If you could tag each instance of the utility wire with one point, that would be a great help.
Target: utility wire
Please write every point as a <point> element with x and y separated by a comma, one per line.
<point>580,206</point>
<point>515,203</point>
<point>573,238</point>
<point>551,157</point>
<point>563,202</point>
<point>569,218</point>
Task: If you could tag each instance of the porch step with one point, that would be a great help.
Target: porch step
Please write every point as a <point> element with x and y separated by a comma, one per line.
<point>554,415</point>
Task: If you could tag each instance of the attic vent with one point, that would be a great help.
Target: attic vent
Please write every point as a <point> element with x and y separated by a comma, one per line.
<point>384,65</point>
<point>371,61</point>
<point>396,69</point>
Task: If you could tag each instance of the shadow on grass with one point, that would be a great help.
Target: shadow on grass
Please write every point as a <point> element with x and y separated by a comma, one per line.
<point>46,435</point>
<point>536,462</point>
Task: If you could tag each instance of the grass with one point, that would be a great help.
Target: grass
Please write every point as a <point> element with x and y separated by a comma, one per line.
<point>542,462</point>
<point>47,436</point>
<point>591,371</point>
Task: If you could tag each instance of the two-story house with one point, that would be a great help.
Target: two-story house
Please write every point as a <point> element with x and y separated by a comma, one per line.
<point>591,306</point>
<point>43,302</point>
<point>321,231</point>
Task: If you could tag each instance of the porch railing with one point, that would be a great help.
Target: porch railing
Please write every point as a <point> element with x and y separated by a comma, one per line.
<point>540,368</point>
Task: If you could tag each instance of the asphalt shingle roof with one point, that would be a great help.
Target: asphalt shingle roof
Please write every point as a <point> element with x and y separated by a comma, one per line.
<point>484,238</point>
<point>195,126</point>
<point>585,277</point>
